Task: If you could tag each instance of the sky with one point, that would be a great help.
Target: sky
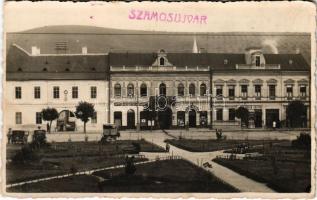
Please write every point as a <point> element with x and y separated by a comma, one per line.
<point>221,17</point>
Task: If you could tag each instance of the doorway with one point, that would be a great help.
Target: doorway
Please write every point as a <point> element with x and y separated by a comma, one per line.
<point>192,118</point>
<point>130,119</point>
<point>117,118</point>
<point>258,118</point>
<point>165,118</point>
<point>271,116</point>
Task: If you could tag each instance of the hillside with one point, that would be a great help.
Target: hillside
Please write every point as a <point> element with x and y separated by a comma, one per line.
<point>98,39</point>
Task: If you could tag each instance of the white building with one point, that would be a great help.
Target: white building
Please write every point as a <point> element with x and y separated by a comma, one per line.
<point>203,89</point>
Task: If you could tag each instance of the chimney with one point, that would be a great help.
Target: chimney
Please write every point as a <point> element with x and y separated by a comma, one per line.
<point>35,51</point>
<point>84,50</point>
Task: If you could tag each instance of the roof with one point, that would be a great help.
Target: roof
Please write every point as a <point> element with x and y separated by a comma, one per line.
<point>20,65</point>
<point>23,66</point>
<point>214,60</point>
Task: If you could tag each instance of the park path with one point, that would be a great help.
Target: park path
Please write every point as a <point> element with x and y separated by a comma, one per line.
<point>238,181</point>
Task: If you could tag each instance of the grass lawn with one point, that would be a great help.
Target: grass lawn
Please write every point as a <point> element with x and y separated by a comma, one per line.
<point>194,145</point>
<point>292,168</point>
<point>159,176</point>
<point>59,158</point>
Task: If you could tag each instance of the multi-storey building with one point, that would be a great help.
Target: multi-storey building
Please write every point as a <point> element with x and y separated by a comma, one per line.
<point>201,89</point>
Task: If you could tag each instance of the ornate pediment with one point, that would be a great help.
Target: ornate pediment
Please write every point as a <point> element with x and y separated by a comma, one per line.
<point>303,82</point>
<point>244,82</point>
<point>257,82</point>
<point>219,82</point>
<point>289,82</point>
<point>271,82</point>
<point>231,82</point>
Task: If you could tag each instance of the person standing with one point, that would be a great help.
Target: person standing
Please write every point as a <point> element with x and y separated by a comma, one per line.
<point>274,125</point>
<point>9,135</point>
<point>167,147</point>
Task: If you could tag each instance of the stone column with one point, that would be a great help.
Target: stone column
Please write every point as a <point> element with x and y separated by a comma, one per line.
<point>264,117</point>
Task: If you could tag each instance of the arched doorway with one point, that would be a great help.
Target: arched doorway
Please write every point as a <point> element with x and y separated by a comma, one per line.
<point>66,121</point>
<point>162,89</point>
<point>130,119</point>
<point>117,118</point>
<point>192,118</point>
<point>165,118</point>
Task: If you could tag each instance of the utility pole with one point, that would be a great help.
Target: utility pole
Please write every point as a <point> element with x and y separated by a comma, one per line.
<point>137,108</point>
<point>211,87</point>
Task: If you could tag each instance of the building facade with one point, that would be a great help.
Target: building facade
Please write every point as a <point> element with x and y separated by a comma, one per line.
<point>196,89</point>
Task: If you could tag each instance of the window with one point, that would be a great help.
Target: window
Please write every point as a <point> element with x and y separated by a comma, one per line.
<point>130,90</point>
<point>162,89</point>
<point>272,92</point>
<point>302,91</point>
<point>257,89</point>
<point>18,92</point>
<point>180,90</point>
<point>244,91</point>
<point>94,118</point>
<point>289,91</point>
<point>143,90</point>
<point>203,89</point>
<point>38,118</point>
<point>192,89</point>
<point>232,114</point>
<point>117,90</point>
<point>219,115</point>
<point>18,118</point>
<point>162,61</point>
<point>93,92</point>
<point>257,61</point>
<point>231,92</point>
<point>37,92</point>
<point>75,92</point>
<point>219,90</point>
<point>56,92</point>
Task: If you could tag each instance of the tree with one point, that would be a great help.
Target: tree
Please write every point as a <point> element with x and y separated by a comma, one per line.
<point>49,114</point>
<point>84,111</point>
<point>243,114</point>
<point>296,113</point>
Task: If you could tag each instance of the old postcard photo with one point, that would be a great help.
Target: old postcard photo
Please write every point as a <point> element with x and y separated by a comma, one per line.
<point>157,99</point>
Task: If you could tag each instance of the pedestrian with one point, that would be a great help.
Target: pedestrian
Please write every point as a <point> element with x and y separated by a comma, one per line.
<point>47,127</point>
<point>9,135</point>
<point>274,125</point>
<point>167,147</point>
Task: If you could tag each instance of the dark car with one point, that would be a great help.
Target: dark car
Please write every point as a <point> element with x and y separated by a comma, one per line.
<point>19,136</point>
<point>110,133</point>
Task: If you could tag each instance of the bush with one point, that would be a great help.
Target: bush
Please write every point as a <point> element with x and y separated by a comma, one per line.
<point>129,166</point>
<point>219,135</point>
<point>26,154</point>
<point>137,146</point>
<point>73,169</point>
<point>303,141</point>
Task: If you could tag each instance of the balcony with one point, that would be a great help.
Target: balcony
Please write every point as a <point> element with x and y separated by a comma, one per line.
<point>261,67</point>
